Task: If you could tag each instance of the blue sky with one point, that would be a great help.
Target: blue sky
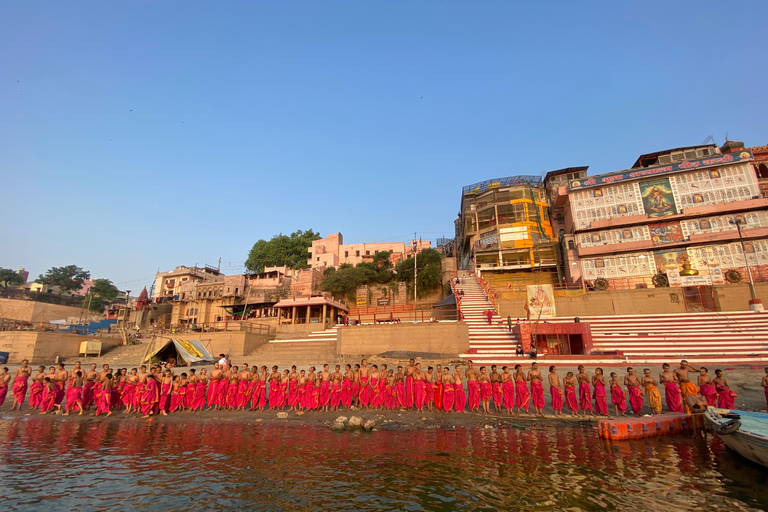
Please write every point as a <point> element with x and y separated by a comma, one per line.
<point>145,135</point>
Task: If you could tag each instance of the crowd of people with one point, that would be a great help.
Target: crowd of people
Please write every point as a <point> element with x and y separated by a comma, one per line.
<point>161,389</point>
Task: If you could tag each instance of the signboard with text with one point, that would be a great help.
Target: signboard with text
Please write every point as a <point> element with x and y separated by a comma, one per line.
<point>688,165</point>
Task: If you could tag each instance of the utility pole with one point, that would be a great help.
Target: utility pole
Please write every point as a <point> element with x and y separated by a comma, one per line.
<point>738,223</point>
<point>415,269</point>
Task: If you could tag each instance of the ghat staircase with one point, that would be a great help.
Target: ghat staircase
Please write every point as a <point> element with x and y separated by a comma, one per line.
<point>315,348</point>
<point>734,337</point>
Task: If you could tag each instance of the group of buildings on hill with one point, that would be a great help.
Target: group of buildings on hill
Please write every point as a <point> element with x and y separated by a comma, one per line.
<point>691,217</point>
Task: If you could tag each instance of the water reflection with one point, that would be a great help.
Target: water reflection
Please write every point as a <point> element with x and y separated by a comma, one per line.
<point>96,465</point>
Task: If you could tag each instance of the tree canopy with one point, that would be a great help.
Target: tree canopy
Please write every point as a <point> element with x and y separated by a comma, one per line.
<point>105,289</point>
<point>291,251</point>
<point>10,277</point>
<point>69,278</point>
<point>345,280</point>
<point>429,266</point>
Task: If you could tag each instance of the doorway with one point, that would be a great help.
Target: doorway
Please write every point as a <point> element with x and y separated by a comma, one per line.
<point>699,299</point>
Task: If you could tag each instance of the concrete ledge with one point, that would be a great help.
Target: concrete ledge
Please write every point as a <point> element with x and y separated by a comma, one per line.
<point>439,338</point>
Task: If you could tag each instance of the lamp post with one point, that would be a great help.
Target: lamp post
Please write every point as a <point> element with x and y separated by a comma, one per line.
<point>755,304</point>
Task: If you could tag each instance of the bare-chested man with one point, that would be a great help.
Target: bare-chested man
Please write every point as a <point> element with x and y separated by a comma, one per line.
<point>410,390</point>
<point>473,387</point>
<point>686,386</point>
<point>651,392</point>
<point>496,389</point>
<point>75,394</point>
<point>347,387</point>
<point>419,388</point>
<point>36,389</point>
<point>20,384</point>
<point>632,382</point>
<point>336,378</point>
<point>5,378</point>
<point>671,389</point>
<point>485,390</point>
<point>61,383</point>
<point>429,390</point>
<point>365,389</point>
<point>537,389</point>
<point>555,390</point>
<point>216,378</point>
<point>585,391</point>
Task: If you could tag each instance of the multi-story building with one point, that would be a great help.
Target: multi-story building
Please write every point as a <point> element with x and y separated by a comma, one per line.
<point>674,213</point>
<point>167,283</point>
<point>504,225</point>
<point>332,252</point>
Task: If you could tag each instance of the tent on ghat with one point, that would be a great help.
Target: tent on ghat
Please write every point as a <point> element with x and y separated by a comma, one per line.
<point>186,353</point>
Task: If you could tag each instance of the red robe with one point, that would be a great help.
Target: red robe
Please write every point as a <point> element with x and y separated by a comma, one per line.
<point>35,394</point>
<point>619,397</point>
<point>672,394</point>
<point>365,391</point>
<point>49,398</point>
<point>335,394</point>
<point>537,394</point>
<point>508,392</point>
<point>473,388</point>
<point>420,387</point>
<point>400,394</point>
<point>636,399</point>
<point>447,397</point>
<point>557,398</point>
<point>725,397</point>
<point>439,395</point>
<point>570,399</point>
<point>213,392</point>
<point>459,398</point>
<point>498,395</point>
<point>20,389</point>
<point>585,396</point>
<point>74,395</point>
<point>709,392</point>
<point>346,393</point>
<point>522,396</point>
<point>601,399</point>
<point>4,392</point>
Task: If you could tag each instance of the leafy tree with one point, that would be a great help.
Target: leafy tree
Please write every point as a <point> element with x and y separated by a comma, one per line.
<point>69,278</point>
<point>344,281</point>
<point>280,250</point>
<point>93,303</point>
<point>105,289</point>
<point>429,264</point>
<point>10,277</point>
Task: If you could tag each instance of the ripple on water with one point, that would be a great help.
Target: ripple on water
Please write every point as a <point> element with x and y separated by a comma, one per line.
<point>232,466</point>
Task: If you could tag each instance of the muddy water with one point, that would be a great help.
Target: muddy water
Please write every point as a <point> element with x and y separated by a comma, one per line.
<point>54,464</point>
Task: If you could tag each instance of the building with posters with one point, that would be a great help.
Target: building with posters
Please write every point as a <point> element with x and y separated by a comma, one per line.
<point>503,225</point>
<point>331,251</point>
<point>674,216</point>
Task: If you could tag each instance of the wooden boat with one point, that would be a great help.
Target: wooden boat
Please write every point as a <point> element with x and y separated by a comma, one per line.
<point>744,432</point>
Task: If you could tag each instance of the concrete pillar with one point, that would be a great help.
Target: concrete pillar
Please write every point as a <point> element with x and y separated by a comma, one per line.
<point>325,312</point>
<point>309,313</point>
<point>293,315</point>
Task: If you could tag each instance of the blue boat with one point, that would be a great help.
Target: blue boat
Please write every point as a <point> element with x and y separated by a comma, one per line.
<point>744,432</point>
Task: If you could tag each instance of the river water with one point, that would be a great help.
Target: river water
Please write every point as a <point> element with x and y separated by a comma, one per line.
<point>58,464</point>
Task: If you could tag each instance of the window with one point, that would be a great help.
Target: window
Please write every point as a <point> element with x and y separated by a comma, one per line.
<point>357,253</point>
<point>318,258</point>
<point>367,253</point>
<point>346,254</point>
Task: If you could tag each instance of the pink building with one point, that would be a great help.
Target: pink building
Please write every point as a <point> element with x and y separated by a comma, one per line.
<point>332,252</point>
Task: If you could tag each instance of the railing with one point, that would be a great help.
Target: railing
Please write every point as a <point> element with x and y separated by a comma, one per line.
<point>419,316</point>
<point>223,326</point>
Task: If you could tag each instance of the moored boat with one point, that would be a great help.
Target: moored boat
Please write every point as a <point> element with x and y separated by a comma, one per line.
<point>744,432</point>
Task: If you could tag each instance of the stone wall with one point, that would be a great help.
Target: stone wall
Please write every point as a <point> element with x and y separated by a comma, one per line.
<point>236,344</point>
<point>436,338</point>
<point>32,311</point>
<point>43,347</point>
<point>732,297</point>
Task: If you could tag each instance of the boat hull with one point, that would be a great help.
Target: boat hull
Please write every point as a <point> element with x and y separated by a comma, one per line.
<point>747,444</point>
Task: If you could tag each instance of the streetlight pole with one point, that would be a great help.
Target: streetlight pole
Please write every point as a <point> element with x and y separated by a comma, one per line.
<point>738,223</point>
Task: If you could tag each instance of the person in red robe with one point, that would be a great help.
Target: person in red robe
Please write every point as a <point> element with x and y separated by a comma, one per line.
<point>150,397</point>
<point>522,395</point>
<point>459,397</point>
<point>618,396</point>
<point>707,387</point>
<point>5,378</point>
<point>569,386</point>
<point>485,390</point>
<point>508,390</point>
<point>400,400</point>
<point>448,391</point>
<point>74,400</point>
<point>293,388</point>
<point>336,378</point>
<point>555,391</point>
<point>36,389</point>
<point>438,388</point>
<point>49,397</point>
<point>585,391</point>
<point>420,391</point>
<point>634,390</point>
<point>537,389</point>
<point>104,398</point>
<point>601,396</point>
<point>496,389</point>
<point>473,387</point>
<point>347,385</point>
<point>20,385</point>
<point>389,391</point>
<point>725,397</point>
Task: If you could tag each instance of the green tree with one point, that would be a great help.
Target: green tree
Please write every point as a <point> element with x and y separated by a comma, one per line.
<point>105,289</point>
<point>69,278</point>
<point>93,302</point>
<point>429,262</point>
<point>10,277</point>
<point>292,251</point>
<point>344,281</point>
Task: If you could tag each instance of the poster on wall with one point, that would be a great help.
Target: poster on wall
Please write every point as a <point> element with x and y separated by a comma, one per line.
<point>658,199</point>
<point>541,301</point>
<point>667,233</point>
<point>674,258</point>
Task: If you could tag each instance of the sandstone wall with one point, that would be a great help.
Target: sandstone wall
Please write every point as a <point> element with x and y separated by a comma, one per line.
<point>437,338</point>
